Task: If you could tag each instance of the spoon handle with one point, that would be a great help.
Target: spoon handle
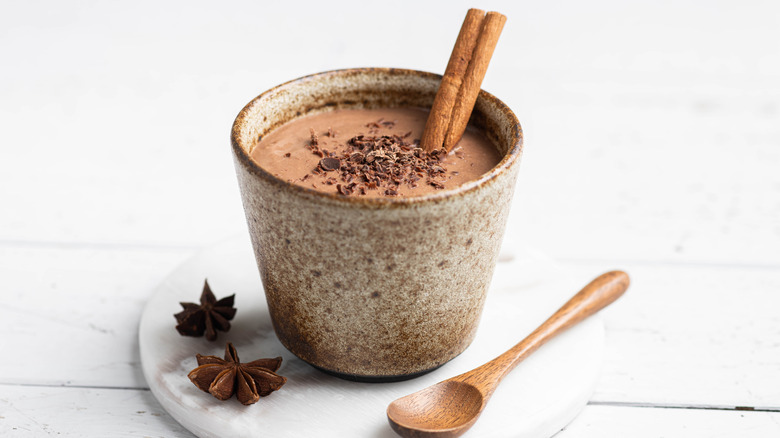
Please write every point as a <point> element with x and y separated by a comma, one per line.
<point>597,295</point>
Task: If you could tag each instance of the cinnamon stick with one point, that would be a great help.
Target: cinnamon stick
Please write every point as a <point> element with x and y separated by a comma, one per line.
<point>440,116</point>
<point>472,81</point>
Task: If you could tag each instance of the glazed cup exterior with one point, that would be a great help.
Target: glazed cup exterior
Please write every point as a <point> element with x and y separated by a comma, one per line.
<point>373,289</point>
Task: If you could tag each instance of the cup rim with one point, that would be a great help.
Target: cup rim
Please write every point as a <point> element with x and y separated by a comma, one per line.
<point>508,160</point>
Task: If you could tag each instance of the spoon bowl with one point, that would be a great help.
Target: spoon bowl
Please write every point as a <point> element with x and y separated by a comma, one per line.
<point>449,408</point>
<point>430,410</point>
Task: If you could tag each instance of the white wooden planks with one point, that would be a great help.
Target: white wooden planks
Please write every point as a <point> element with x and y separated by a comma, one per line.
<point>655,148</point>
<point>29,411</point>
<point>70,316</point>
<point>35,411</point>
<point>624,421</point>
<point>635,149</point>
<point>682,335</point>
<point>687,335</point>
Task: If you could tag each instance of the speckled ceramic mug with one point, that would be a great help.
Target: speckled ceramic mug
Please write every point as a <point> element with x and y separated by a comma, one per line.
<point>374,289</point>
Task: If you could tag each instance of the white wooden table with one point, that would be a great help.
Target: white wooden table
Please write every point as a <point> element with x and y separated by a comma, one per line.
<point>652,145</point>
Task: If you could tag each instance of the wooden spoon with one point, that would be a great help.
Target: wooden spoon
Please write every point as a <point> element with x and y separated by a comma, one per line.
<point>450,408</point>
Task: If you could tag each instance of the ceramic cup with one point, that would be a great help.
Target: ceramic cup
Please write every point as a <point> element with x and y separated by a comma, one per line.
<point>373,289</point>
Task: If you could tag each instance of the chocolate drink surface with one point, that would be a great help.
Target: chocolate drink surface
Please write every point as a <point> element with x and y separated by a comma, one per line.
<point>370,153</point>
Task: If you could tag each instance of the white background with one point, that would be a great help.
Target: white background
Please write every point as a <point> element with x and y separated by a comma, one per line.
<point>652,144</point>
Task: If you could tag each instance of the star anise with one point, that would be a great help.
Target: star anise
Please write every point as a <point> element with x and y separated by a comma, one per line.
<point>207,317</point>
<point>224,377</point>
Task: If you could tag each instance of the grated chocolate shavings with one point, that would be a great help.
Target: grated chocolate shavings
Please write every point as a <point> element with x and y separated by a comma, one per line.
<point>329,163</point>
<point>383,163</point>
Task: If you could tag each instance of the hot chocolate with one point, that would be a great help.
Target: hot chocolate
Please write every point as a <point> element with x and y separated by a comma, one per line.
<point>370,153</point>
<point>387,288</point>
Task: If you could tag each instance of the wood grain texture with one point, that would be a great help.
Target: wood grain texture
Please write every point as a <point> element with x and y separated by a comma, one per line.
<point>77,412</point>
<point>716,354</point>
<point>31,411</point>
<point>640,361</point>
<point>80,309</point>
<point>596,295</point>
<point>449,408</point>
<point>592,107</point>
<point>615,421</point>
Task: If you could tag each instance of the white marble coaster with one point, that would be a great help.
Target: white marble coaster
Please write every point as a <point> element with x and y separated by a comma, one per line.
<point>537,399</point>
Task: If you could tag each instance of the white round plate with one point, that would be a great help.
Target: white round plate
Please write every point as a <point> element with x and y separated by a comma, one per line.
<point>539,398</point>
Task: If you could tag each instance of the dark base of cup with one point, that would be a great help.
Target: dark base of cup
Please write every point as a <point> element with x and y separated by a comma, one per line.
<point>376,379</point>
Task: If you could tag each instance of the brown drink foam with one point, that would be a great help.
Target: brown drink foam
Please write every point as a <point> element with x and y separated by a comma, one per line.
<point>288,154</point>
